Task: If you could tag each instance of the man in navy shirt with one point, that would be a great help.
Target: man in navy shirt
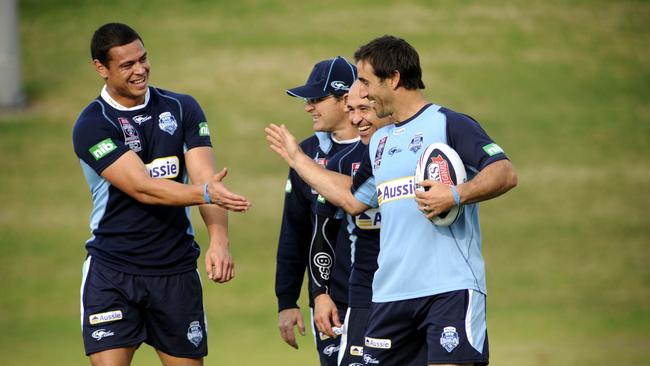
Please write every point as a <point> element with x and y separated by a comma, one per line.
<point>139,146</point>
<point>323,93</point>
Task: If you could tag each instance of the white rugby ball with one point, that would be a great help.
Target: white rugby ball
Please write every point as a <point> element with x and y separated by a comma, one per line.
<point>441,163</point>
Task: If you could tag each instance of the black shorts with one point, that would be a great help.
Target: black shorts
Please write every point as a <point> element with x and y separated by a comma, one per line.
<point>450,327</point>
<point>123,310</point>
<point>328,347</point>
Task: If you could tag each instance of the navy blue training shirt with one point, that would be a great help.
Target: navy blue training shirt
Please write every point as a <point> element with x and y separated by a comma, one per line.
<point>128,235</point>
<point>297,224</point>
<point>362,231</point>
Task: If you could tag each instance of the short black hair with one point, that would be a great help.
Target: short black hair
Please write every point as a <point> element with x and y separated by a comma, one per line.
<point>108,36</point>
<point>387,54</point>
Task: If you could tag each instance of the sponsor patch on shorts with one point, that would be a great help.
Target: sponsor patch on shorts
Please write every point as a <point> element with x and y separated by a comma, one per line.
<point>108,316</point>
<point>378,343</point>
<point>356,350</point>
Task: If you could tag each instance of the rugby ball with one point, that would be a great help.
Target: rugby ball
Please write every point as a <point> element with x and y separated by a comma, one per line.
<point>441,163</point>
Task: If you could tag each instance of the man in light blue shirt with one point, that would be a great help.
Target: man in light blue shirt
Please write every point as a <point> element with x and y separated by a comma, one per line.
<point>429,290</point>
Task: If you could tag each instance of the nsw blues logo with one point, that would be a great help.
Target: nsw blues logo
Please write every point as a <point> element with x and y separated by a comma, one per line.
<point>167,122</point>
<point>195,333</point>
<point>416,142</point>
<point>449,338</point>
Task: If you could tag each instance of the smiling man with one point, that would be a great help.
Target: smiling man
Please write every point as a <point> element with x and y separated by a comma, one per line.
<point>138,146</point>
<point>429,291</point>
<point>324,97</point>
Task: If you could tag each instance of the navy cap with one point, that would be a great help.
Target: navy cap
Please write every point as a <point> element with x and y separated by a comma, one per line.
<point>333,76</point>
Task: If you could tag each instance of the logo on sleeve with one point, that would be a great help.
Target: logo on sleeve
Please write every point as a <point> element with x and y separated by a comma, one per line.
<point>167,167</point>
<point>321,199</point>
<point>108,316</point>
<point>102,148</point>
<point>323,262</point>
<point>492,149</point>
<point>203,129</point>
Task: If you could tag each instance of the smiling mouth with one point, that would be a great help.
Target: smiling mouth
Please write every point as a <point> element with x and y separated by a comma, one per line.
<point>364,128</point>
<point>140,81</point>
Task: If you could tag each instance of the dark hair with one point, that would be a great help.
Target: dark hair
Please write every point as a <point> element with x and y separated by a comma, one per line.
<point>108,36</point>
<point>387,54</point>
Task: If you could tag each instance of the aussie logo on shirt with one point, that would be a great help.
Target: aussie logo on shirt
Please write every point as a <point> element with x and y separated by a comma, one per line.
<point>395,189</point>
<point>167,167</point>
<point>167,122</point>
<point>369,219</point>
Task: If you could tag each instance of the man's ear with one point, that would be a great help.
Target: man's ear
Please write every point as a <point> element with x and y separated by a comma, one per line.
<point>393,80</point>
<point>101,69</point>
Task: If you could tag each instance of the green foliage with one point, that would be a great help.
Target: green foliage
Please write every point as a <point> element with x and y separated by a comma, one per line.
<point>562,86</point>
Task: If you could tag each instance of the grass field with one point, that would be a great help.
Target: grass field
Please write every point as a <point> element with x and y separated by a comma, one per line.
<point>562,86</point>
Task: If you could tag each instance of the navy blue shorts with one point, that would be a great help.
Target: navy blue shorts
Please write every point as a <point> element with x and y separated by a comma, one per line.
<point>123,310</point>
<point>450,327</point>
<point>351,354</point>
<point>328,347</point>
<point>356,320</point>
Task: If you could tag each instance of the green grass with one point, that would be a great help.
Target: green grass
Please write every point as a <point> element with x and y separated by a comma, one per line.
<point>562,86</point>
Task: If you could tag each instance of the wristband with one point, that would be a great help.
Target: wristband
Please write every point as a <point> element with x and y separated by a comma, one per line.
<point>456,196</point>
<point>206,196</point>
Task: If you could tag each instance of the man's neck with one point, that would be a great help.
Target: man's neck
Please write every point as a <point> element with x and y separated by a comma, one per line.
<point>348,132</point>
<point>406,104</point>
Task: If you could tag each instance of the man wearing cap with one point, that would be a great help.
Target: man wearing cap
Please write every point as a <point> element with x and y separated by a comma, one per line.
<point>324,94</point>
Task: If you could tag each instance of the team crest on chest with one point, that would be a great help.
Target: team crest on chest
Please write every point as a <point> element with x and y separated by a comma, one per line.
<point>131,137</point>
<point>167,122</point>
<point>416,142</point>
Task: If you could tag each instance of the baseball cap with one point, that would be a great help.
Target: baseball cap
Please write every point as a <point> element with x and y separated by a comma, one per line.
<point>332,76</point>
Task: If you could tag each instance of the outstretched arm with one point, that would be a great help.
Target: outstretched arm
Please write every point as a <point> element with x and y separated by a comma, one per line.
<point>333,186</point>
<point>129,174</point>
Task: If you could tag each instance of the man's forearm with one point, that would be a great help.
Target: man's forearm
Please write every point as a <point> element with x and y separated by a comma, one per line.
<point>335,187</point>
<point>493,181</point>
